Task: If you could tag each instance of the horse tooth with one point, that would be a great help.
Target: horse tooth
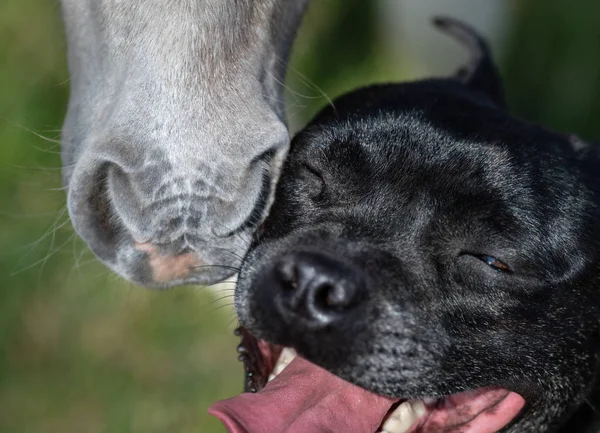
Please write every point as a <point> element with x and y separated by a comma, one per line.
<point>404,416</point>
<point>287,355</point>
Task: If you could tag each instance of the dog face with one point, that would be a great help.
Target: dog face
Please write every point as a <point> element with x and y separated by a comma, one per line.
<point>423,243</point>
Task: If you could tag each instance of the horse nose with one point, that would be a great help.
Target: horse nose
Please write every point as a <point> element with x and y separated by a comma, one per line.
<point>158,227</point>
<point>162,215</point>
<point>156,205</point>
<point>317,288</point>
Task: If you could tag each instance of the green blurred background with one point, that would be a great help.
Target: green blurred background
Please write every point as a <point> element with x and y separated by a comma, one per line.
<point>82,351</point>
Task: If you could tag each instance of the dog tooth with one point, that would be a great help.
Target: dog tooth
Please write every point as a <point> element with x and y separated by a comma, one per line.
<point>287,355</point>
<point>404,417</point>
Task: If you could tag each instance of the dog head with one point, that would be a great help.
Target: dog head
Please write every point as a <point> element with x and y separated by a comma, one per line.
<point>424,243</point>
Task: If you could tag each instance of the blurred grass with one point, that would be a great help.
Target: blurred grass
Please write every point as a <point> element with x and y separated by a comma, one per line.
<point>83,351</point>
<point>552,66</point>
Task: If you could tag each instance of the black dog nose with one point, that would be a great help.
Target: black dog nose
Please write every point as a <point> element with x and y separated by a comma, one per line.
<point>316,287</point>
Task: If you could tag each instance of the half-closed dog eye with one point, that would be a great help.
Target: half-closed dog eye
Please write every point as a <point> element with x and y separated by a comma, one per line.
<point>313,180</point>
<point>495,263</point>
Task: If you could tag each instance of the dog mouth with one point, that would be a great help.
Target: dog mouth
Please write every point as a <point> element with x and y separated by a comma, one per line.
<point>286,393</point>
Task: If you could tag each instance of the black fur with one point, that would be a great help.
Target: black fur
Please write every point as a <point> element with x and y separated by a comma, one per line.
<point>413,185</point>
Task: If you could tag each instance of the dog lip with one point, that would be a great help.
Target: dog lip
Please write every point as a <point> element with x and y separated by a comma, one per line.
<point>488,408</point>
<point>258,357</point>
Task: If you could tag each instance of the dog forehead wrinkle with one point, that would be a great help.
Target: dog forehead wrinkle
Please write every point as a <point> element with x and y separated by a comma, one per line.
<point>435,147</point>
<point>513,184</point>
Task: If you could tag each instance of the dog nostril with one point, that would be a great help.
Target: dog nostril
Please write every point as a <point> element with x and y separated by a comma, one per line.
<point>329,295</point>
<point>316,287</point>
<point>286,274</point>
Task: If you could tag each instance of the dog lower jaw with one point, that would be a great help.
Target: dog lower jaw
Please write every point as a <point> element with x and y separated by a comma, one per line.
<point>484,410</point>
<point>305,391</point>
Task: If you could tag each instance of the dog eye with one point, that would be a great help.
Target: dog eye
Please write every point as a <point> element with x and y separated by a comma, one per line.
<point>313,180</point>
<point>495,263</point>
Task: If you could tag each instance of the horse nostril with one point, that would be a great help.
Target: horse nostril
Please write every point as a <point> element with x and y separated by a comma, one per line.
<point>91,210</point>
<point>316,287</point>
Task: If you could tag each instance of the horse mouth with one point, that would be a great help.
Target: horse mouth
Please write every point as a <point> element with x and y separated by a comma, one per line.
<point>286,393</point>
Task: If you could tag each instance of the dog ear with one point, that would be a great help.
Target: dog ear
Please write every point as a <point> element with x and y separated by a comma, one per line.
<point>480,73</point>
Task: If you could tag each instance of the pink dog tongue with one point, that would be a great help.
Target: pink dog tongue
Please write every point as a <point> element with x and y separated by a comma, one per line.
<point>304,398</point>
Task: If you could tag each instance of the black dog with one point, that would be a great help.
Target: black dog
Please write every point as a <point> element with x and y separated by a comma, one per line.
<point>425,244</point>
